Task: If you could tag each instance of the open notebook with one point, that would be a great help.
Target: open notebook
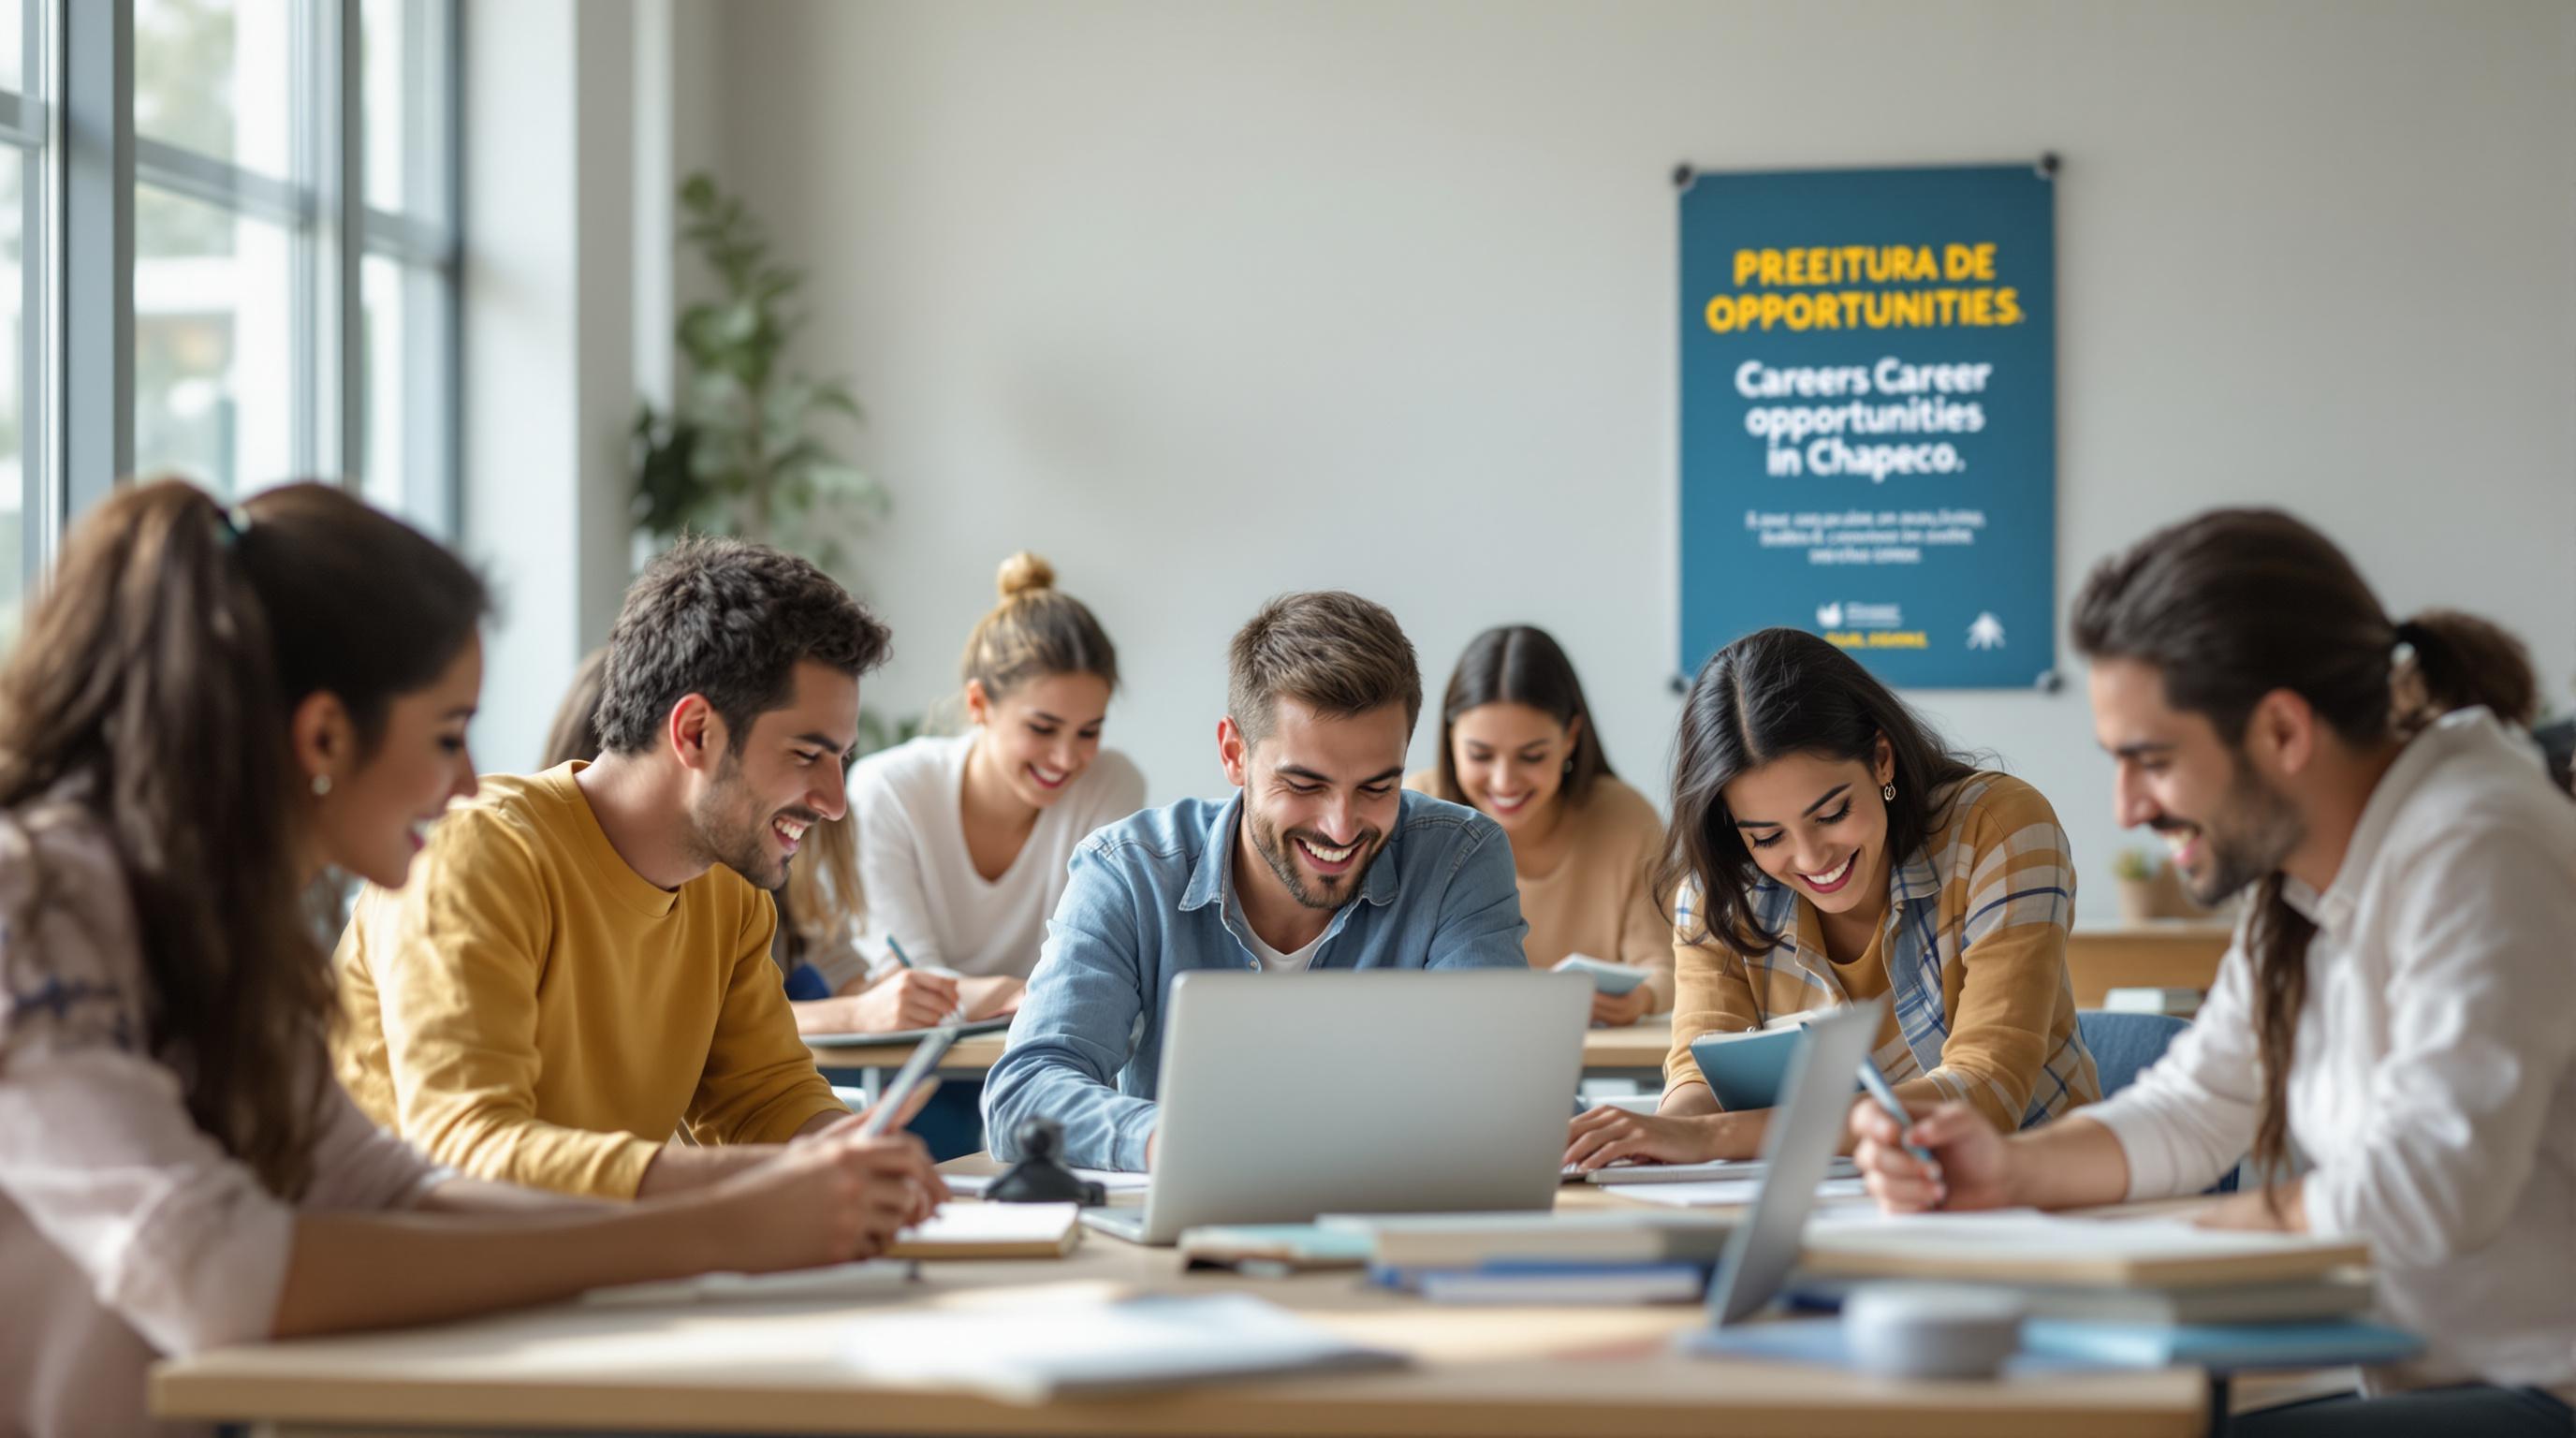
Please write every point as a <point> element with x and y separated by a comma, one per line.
<point>993,1230</point>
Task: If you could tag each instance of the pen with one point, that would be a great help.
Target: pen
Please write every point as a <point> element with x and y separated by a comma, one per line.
<point>956,1013</point>
<point>1885,1092</point>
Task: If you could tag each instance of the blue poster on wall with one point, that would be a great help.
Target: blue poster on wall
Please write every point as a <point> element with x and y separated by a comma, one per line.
<point>1868,412</point>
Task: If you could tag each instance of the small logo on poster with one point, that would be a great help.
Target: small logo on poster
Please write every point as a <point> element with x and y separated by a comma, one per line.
<point>1829,616</point>
<point>1986,633</point>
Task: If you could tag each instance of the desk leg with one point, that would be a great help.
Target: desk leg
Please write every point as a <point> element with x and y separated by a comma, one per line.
<point>871,1083</point>
<point>2218,1404</point>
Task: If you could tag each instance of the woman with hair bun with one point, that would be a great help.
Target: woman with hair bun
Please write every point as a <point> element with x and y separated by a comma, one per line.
<point>963,839</point>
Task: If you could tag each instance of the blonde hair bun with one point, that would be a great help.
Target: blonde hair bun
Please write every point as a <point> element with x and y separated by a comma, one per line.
<point>1024,573</point>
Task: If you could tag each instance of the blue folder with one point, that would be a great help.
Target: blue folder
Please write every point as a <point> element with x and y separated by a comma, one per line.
<point>2220,1347</point>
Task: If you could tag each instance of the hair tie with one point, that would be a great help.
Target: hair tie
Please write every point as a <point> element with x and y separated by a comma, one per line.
<point>2409,635</point>
<point>231,523</point>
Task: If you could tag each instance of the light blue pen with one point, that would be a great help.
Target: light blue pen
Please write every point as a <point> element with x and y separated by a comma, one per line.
<point>1885,1092</point>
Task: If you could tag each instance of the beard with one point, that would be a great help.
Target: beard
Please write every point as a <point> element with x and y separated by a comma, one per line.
<point>2258,830</point>
<point>733,830</point>
<point>1319,893</point>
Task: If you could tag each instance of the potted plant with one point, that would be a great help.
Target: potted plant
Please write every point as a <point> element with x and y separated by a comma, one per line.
<point>739,452</point>
<point>2137,872</point>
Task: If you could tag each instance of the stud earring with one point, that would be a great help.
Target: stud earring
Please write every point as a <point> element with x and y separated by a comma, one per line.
<point>1887,792</point>
<point>321,785</point>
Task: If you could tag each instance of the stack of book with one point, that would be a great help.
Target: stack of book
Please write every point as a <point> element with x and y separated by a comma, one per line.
<point>1540,1258</point>
<point>2142,1290</point>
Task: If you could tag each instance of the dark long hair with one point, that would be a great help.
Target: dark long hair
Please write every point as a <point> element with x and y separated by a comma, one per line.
<point>2237,603</point>
<point>1770,694</point>
<point>1521,664</point>
<point>158,674</point>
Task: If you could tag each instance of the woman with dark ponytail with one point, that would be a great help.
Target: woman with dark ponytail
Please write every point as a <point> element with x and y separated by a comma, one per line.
<point>208,710</point>
<point>2398,1008</point>
<point>1828,848</point>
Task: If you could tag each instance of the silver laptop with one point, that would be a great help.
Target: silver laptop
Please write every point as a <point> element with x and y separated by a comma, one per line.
<point>1797,1149</point>
<point>1382,1091</point>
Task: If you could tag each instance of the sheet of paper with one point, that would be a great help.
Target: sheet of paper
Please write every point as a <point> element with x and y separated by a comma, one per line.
<point>1725,1192</point>
<point>872,1276</point>
<point>1030,1351</point>
<point>2021,1231</point>
<point>1626,1173</point>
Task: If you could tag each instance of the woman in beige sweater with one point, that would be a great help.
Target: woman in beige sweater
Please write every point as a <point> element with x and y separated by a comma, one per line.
<point>1517,743</point>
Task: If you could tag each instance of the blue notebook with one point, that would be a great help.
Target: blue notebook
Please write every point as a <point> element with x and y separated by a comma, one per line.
<point>2221,1347</point>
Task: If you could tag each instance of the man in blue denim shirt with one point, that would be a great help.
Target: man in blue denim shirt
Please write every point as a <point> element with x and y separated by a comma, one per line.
<point>1323,860</point>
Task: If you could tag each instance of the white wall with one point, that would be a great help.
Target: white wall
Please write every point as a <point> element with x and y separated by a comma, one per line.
<point>548,336</point>
<point>1207,301</point>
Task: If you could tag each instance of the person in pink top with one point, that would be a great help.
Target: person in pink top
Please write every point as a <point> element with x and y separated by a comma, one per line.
<point>209,710</point>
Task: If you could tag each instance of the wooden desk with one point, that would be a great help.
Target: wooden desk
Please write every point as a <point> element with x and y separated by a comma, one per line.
<point>2166,954</point>
<point>973,1054</point>
<point>1637,1050</point>
<point>769,1368</point>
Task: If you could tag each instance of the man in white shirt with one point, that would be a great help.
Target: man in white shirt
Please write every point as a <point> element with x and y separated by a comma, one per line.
<point>2400,1002</point>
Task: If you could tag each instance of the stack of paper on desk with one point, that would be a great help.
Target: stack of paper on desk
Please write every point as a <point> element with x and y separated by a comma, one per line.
<point>993,1230</point>
<point>1627,1173</point>
<point>1727,1192</point>
<point>1031,1354</point>
<point>1272,1248</point>
<point>2045,1248</point>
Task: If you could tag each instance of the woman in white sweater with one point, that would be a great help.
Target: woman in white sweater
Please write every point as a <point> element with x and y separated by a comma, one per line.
<point>963,841</point>
<point>2397,1006</point>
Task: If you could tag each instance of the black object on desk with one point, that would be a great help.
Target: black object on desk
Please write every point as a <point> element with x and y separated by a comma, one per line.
<point>1040,1176</point>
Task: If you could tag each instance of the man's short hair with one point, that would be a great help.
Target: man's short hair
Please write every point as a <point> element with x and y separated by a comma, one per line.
<point>1336,653</point>
<point>730,621</point>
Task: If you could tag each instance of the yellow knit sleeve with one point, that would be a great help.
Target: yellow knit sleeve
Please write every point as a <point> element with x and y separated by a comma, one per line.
<point>760,1084</point>
<point>454,959</point>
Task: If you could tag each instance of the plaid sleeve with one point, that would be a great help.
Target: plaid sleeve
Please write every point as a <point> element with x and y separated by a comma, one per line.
<point>2013,1049</point>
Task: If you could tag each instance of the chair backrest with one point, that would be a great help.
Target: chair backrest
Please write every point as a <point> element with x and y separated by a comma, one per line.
<point>2124,1045</point>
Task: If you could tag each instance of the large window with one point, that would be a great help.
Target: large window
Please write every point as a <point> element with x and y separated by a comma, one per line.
<point>260,223</point>
<point>293,252</point>
<point>24,151</point>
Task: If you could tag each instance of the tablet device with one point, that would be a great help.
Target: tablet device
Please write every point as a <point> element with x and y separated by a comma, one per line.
<point>1607,978</point>
<point>906,1079</point>
<point>1746,1070</point>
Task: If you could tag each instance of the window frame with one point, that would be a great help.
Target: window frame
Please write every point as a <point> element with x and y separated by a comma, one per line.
<point>74,123</point>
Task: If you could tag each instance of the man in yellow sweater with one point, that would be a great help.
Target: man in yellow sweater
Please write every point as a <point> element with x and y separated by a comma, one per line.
<point>580,965</point>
